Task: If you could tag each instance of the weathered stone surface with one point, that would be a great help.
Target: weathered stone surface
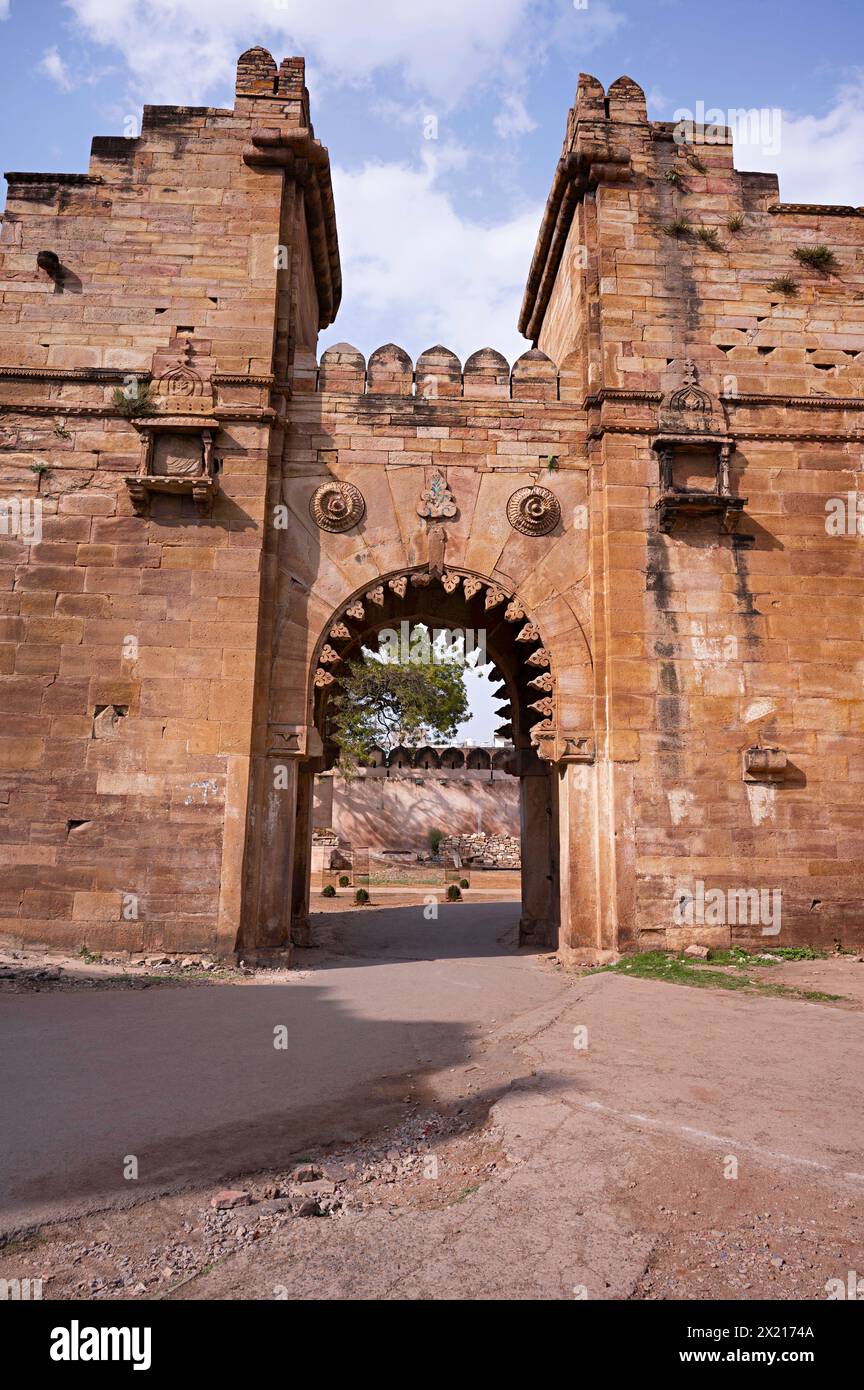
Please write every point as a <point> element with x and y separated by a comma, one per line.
<point>166,671</point>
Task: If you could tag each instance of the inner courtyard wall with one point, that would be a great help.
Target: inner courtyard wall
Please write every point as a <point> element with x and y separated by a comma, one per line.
<point>385,809</point>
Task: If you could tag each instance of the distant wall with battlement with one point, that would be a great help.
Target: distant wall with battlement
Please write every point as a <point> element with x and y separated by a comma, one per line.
<point>459,791</point>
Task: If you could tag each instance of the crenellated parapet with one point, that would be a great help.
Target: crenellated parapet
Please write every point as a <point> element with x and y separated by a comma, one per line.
<point>438,374</point>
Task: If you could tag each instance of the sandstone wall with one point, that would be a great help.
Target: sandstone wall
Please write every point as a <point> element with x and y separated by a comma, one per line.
<point>165,666</point>
<point>711,643</point>
<point>129,641</point>
<point>484,850</point>
<point>382,812</point>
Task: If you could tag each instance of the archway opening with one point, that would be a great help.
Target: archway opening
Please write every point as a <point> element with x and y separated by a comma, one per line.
<point>521,832</point>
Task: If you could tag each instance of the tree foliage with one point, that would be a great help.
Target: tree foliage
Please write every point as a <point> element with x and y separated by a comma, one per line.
<point>387,703</point>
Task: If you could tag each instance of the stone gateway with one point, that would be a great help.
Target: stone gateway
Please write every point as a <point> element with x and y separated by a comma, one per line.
<point>634,514</point>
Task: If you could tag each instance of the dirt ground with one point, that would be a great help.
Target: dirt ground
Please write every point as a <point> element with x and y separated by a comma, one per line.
<point>417,885</point>
<point>535,1170</point>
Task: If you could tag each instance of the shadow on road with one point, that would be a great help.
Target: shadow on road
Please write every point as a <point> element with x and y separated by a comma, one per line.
<point>378,935</point>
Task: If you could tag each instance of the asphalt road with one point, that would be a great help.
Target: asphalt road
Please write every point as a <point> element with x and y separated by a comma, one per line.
<point>188,1081</point>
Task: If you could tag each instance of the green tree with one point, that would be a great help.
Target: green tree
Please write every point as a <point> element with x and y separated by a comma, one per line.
<point>386,703</point>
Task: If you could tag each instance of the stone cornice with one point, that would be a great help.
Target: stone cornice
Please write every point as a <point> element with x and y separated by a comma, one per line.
<point>748,399</point>
<point>258,414</point>
<point>740,435</point>
<point>798,402</point>
<point>92,374</point>
<point>303,158</point>
<point>55,408</point>
<point>607,393</point>
<point>816,209</point>
<point>239,379</point>
<point>264,414</point>
<point>16,177</point>
<point>592,161</point>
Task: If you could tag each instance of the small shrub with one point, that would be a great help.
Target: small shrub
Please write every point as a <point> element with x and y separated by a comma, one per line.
<point>678,227</point>
<point>435,837</point>
<point>454,893</point>
<point>344,881</point>
<point>463,883</point>
<point>710,237</point>
<point>816,257</point>
<point>361,897</point>
<point>141,401</point>
<point>39,468</point>
<point>735,223</point>
<point>675,177</point>
<point>784,284</point>
<point>696,162</point>
<point>328,891</point>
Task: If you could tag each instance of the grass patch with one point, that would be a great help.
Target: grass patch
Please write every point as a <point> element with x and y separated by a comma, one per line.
<point>678,227</point>
<point>685,970</point>
<point>677,970</point>
<point>816,257</point>
<point>783,284</point>
<point>137,398</point>
<point>710,237</point>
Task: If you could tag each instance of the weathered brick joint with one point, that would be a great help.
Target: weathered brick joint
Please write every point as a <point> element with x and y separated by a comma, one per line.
<point>201,522</point>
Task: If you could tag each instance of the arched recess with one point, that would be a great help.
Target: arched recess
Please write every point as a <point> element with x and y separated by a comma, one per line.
<point>497,619</point>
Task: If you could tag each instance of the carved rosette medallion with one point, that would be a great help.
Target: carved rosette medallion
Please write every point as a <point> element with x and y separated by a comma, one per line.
<point>337,506</point>
<point>535,511</point>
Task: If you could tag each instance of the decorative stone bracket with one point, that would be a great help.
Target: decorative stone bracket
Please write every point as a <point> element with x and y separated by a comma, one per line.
<point>294,741</point>
<point>177,459</point>
<point>765,764</point>
<point>553,746</point>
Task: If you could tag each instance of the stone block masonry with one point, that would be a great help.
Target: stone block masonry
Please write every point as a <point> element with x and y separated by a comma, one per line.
<point>655,515</point>
<point>482,851</point>
<point>129,640</point>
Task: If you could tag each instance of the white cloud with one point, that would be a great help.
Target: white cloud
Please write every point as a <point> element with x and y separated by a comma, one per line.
<point>178,50</point>
<point>416,270</point>
<point>513,118</point>
<point>52,65</point>
<point>4,9</point>
<point>820,158</point>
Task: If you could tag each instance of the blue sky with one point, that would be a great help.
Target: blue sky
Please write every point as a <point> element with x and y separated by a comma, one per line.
<point>437,234</point>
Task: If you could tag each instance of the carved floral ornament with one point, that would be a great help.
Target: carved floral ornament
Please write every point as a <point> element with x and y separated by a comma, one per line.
<point>336,506</point>
<point>180,377</point>
<point>436,501</point>
<point>689,408</point>
<point>534,511</point>
<point>544,734</point>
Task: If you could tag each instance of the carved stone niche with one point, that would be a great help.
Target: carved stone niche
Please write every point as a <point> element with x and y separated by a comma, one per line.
<point>765,764</point>
<point>177,459</point>
<point>694,480</point>
<point>695,452</point>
